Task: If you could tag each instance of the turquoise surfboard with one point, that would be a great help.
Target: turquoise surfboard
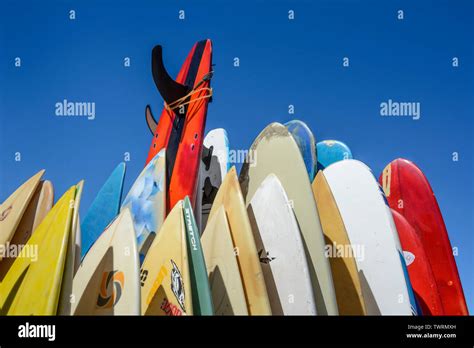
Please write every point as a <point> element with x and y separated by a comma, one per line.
<point>103,209</point>
<point>307,144</point>
<point>201,291</point>
<point>331,151</point>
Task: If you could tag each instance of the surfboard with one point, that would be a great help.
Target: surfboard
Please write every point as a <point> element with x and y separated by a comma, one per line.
<point>347,283</point>
<point>181,130</point>
<point>331,151</point>
<point>33,283</point>
<point>39,206</point>
<point>276,152</point>
<point>419,269</point>
<point>372,233</point>
<point>281,250</point>
<point>13,208</point>
<point>227,290</point>
<point>306,142</point>
<point>230,197</point>
<point>214,166</point>
<point>201,292</point>
<point>165,274</point>
<point>104,208</point>
<point>409,193</point>
<point>147,202</point>
<point>71,265</point>
<point>108,280</point>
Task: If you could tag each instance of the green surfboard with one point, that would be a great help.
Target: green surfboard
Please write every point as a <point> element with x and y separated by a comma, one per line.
<point>201,291</point>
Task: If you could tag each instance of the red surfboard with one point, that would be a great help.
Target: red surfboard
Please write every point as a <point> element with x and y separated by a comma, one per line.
<point>410,194</point>
<point>181,129</point>
<point>419,269</point>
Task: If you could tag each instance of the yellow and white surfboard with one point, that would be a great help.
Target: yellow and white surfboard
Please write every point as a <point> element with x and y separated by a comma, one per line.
<point>107,281</point>
<point>164,275</point>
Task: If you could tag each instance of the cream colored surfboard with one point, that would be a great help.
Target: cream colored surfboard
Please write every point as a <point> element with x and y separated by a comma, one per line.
<point>275,151</point>
<point>64,307</point>
<point>343,264</point>
<point>281,250</point>
<point>33,283</point>
<point>228,294</point>
<point>37,209</point>
<point>230,197</point>
<point>107,281</point>
<point>13,208</point>
<point>164,275</point>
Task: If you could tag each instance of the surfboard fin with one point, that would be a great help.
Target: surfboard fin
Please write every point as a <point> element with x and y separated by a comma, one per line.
<point>169,89</point>
<point>207,156</point>
<point>150,120</point>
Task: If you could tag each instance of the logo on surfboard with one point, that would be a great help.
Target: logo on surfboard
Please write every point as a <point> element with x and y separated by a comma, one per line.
<point>5,213</point>
<point>111,288</point>
<point>265,256</point>
<point>177,285</point>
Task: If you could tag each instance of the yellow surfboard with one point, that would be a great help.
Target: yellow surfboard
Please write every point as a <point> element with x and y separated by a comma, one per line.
<point>164,275</point>
<point>12,210</point>
<point>32,285</point>
<point>107,281</point>
<point>346,279</point>
<point>37,209</point>
<point>228,294</point>
<point>72,257</point>
<point>230,197</point>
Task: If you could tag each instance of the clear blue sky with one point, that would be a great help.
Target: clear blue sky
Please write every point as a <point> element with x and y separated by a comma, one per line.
<point>282,62</point>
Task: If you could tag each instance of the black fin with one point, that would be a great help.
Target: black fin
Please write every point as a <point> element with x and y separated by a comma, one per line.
<point>207,156</point>
<point>150,120</point>
<point>169,89</point>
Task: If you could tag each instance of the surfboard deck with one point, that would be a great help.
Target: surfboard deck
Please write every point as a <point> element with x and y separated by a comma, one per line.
<point>347,283</point>
<point>281,250</point>
<point>419,269</point>
<point>104,208</point>
<point>181,131</point>
<point>213,167</point>
<point>39,206</point>
<point>108,279</point>
<point>277,152</point>
<point>227,290</point>
<point>230,197</point>
<point>13,208</point>
<point>331,151</point>
<point>306,142</point>
<point>372,233</point>
<point>201,292</point>
<point>32,285</point>
<point>410,194</point>
<point>165,274</point>
<point>147,202</point>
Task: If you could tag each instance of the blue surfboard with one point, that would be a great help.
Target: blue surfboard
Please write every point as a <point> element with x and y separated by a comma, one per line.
<point>103,209</point>
<point>331,151</point>
<point>305,140</point>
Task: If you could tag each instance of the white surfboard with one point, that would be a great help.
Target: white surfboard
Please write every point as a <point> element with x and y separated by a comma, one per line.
<point>281,250</point>
<point>213,167</point>
<point>108,279</point>
<point>372,232</point>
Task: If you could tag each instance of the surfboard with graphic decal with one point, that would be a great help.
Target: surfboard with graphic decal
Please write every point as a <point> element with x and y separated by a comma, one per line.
<point>165,275</point>
<point>107,281</point>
